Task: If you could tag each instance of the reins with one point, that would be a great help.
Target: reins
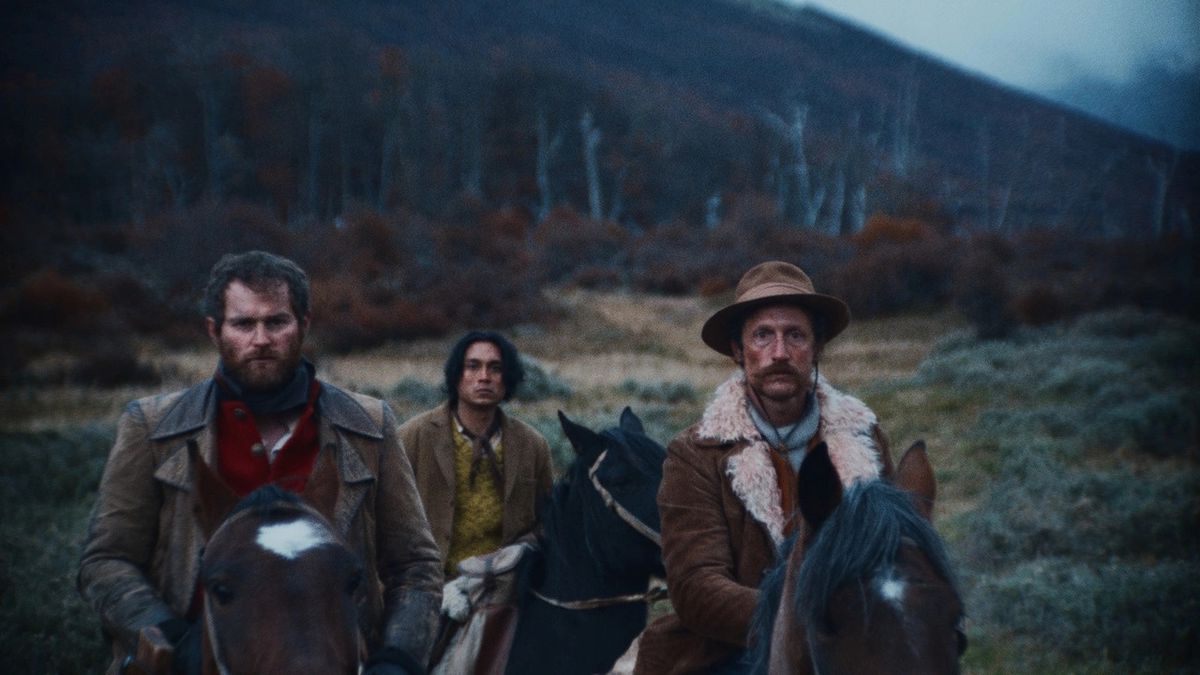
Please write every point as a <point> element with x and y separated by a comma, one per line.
<point>653,594</point>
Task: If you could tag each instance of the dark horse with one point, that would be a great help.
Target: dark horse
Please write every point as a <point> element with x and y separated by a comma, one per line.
<point>280,584</point>
<point>866,586</point>
<point>586,597</point>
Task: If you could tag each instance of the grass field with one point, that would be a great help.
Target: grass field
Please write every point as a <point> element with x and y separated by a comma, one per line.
<point>1067,461</point>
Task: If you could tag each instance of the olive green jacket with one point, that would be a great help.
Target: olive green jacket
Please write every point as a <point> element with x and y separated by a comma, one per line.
<point>141,555</point>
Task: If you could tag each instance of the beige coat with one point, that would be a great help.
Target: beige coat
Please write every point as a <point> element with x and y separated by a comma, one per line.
<point>528,475</point>
<point>141,555</point>
<point>723,521</point>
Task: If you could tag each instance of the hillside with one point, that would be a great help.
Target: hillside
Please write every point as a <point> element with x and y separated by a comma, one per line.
<point>699,109</point>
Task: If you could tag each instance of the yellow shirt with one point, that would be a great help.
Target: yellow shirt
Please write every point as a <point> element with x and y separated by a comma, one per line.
<point>478,509</point>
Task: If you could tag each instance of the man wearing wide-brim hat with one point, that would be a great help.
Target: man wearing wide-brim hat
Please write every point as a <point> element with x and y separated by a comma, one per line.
<point>728,491</point>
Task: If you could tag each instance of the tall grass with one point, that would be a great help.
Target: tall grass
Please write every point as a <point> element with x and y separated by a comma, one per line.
<point>47,483</point>
<point>1083,548</point>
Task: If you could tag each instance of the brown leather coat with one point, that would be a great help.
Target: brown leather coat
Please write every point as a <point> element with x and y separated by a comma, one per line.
<point>723,520</point>
<point>528,475</point>
<point>142,551</point>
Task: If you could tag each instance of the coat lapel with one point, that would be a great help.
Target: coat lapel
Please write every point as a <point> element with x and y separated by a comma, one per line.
<point>846,426</point>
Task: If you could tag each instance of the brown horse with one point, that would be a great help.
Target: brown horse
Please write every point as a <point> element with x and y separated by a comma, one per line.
<point>866,586</point>
<point>280,584</point>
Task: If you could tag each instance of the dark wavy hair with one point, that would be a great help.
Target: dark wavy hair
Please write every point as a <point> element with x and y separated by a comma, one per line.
<point>512,372</point>
<point>258,270</point>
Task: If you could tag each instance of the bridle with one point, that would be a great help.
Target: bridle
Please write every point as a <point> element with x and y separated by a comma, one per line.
<point>622,512</point>
<point>654,593</point>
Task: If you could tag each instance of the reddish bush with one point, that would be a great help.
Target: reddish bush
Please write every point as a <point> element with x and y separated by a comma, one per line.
<point>111,363</point>
<point>982,295</point>
<point>895,277</point>
<point>1038,305</point>
<point>47,299</point>
<point>884,229</point>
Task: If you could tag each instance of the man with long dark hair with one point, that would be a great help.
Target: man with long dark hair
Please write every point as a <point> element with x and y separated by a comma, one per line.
<point>481,473</point>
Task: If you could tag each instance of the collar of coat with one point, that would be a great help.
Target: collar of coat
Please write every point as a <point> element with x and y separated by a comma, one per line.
<point>847,427</point>
<point>197,406</point>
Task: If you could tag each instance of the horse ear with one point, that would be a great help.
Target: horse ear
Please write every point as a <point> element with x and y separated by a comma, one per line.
<point>583,440</point>
<point>915,476</point>
<point>212,498</point>
<point>631,422</point>
<point>321,490</point>
<point>818,487</point>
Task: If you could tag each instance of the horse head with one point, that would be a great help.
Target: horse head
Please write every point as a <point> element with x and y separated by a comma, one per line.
<point>620,469</point>
<point>281,587</point>
<point>867,585</point>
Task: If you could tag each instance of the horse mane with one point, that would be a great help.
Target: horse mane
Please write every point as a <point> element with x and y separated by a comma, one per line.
<point>861,537</point>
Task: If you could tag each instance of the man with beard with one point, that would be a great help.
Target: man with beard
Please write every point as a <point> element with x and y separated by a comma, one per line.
<point>729,481</point>
<point>482,474</point>
<point>262,418</point>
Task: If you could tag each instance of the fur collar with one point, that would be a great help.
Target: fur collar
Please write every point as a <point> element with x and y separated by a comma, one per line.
<point>847,427</point>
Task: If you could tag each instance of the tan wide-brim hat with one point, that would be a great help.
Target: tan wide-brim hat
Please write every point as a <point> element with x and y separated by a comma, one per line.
<point>768,283</point>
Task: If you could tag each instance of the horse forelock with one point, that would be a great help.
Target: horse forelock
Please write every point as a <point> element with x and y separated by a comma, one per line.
<point>861,540</point>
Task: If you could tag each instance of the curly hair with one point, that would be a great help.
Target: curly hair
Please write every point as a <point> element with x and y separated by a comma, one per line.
<point>259,270</point>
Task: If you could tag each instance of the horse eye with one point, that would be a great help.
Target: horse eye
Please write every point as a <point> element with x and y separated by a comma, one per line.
<point>221,592</point>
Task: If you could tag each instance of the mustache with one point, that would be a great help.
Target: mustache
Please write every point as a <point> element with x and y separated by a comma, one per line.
<point>781,370</point>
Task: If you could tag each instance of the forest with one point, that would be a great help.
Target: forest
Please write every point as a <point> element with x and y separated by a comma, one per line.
<point>593,179</point>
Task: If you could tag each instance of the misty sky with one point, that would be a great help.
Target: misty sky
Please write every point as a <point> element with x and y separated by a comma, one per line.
<point>1136,62</point>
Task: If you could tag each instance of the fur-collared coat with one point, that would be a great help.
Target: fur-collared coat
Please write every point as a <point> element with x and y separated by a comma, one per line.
<point>428,439</point>
<point>723,520</point>
<point>141,557</point>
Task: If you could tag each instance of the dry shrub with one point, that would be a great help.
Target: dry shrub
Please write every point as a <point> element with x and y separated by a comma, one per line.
<point>47,299</point>
<point>982,295</point>
<point>1038,306</point>
<point>896,276</point>
<point>711,287</point>
<point>181,248</point>
<point>597,277</point>
<point>566,242</point>
<point>885,229</point>
<point>348,315</point>
<point>111,363</point>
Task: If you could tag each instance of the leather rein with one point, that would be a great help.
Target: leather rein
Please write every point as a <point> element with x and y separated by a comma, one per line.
<point>654,593</point>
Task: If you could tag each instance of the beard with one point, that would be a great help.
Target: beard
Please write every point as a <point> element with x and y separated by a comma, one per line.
<point>261,371</point>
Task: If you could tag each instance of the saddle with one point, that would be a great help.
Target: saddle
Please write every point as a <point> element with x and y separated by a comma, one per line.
<point>479,614</point>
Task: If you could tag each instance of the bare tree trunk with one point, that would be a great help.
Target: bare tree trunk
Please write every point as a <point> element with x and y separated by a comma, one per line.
<point>1164,171</point>
<point>904,122</point>
<point>473,152</point>
<point>591,141</point>
<point>547,148</point>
